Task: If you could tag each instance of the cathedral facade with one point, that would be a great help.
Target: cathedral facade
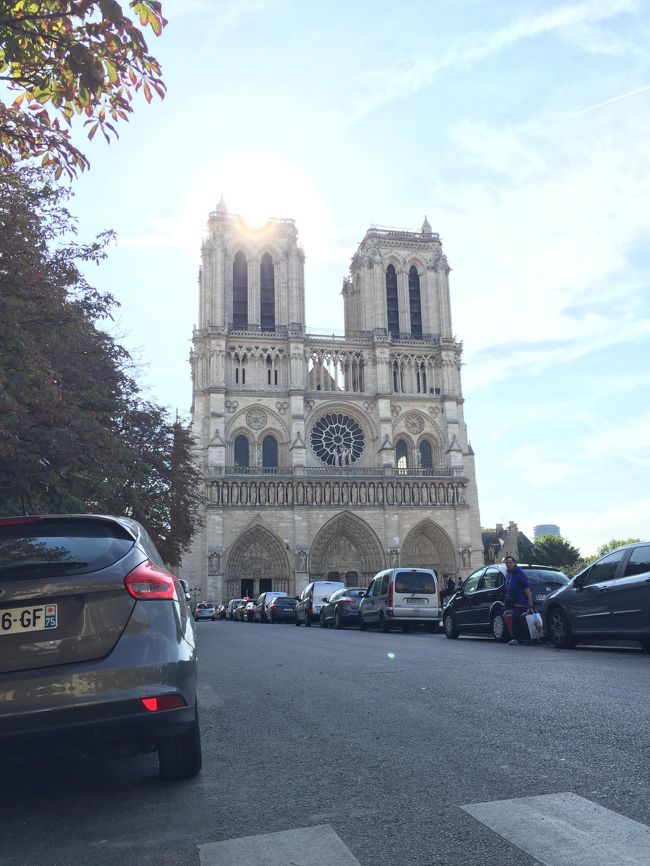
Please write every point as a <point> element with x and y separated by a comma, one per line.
<point>327,457</point>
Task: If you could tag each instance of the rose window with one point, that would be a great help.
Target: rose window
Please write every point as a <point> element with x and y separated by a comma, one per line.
<point>337,440</point>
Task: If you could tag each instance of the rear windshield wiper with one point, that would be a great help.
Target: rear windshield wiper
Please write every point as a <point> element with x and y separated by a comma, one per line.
<point>19,568</point>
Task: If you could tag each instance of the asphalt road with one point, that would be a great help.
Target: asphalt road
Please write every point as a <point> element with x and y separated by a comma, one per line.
<point>384,738</point>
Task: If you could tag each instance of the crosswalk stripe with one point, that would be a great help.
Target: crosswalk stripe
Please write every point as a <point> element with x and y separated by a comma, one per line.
<point>566,830</point>
<point>305,846</point>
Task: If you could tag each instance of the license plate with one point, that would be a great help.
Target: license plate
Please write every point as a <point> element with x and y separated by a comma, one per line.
<point>416,600</point>
<point>24,619</point>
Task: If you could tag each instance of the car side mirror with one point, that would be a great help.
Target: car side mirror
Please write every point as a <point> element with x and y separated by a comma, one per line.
<point>325,600</point>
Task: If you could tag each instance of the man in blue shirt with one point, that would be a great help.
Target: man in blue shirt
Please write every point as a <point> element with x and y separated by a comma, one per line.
<point>519,598</point>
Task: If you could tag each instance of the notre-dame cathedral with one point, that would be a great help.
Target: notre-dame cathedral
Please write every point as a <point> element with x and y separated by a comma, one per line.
<point>327,456</point>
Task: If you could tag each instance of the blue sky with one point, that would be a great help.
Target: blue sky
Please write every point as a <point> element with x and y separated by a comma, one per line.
<point>521,129</point>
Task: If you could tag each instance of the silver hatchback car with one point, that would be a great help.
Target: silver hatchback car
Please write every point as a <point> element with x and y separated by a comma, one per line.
<point>96,638</point>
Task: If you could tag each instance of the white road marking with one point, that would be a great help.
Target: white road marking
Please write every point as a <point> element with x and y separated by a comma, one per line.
<point>566,830</point>
<point>306,846</point>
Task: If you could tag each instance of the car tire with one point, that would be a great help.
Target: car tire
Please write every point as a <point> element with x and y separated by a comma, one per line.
<point>338,622</point>
<point>450,627</point>
<point>179,756</point>
<point>270,619</point>
<point>308,618</point>
<point>406,627</point>
<point>559,629</point>
<point>383,624</point>
<point>214,619</point>
<point>297,620</point>
<point>363,625</point>
<point>322,622</point>
<point>499,630</point>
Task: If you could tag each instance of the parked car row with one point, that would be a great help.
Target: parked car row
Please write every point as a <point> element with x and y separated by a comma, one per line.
<point>608,600</point>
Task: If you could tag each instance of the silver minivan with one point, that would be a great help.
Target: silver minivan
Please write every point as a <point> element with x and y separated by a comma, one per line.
<point>401,596</point>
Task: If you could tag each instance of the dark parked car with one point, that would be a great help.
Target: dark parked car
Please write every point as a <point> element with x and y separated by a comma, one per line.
<point>262,605</point>
<point>608,600</point>
<point>96,640</point>
<point>282,609</point>
<point>221,611</point>
<point>205,610</point>
<point>477,607</point>
<point>342,608</point>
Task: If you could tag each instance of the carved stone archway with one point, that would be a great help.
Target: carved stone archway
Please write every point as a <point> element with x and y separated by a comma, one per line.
<point>347,545</point>
<point>428,546</point>
<point>257,555</point>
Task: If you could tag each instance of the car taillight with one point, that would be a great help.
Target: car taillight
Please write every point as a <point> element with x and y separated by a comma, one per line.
<point>163,702</point>
<point>147,581</point>
<point>274,607</point>
<point>390,600</point>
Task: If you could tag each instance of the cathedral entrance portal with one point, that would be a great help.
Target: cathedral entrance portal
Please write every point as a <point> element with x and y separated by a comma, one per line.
<point>428,546</point>
<point>346,549</point>
<point>256,563</point>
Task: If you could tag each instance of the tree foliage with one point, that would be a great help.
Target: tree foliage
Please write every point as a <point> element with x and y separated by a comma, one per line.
<point>555,550</point>
<point>612,544</point>
<point>75,434</point>
<point>68,58</point>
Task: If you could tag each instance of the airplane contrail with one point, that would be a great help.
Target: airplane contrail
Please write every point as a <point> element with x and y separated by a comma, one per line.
<point>613,99</point>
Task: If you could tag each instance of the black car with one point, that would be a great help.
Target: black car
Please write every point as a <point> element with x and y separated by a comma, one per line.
<point>282,609</point>
<point>97,642</point>
<point>342,608</point>
<point>608,600</point>
<point>477,606</point>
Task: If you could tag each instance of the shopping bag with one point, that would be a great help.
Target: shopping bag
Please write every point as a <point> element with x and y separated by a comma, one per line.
<point>535,626</point>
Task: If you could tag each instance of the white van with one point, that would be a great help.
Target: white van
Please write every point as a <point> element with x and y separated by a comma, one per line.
<point>312,598</point>
<point>401,596</point>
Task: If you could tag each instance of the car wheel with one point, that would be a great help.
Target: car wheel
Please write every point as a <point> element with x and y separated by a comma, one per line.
<point>449,625</point>
<point>499,630</point>
<point>383,625</point>
<point>559,629</point>
<point>214,619</point>
<point>338,622</point>
<point>362,623</point>
<point>270,619</point>
<point>179,756</point>
<point>308,618</point>
<point>323,624</point>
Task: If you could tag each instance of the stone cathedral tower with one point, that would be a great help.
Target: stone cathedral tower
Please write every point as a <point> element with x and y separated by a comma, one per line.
<point>327,456</point>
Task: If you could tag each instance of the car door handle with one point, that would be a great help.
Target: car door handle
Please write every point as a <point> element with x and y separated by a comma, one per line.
<point>603,588</point>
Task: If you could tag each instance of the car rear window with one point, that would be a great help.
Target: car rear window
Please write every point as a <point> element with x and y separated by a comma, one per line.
<point>414,581</point>
<point>62,546</point>
<point>539,577</point>
<point>355,593</point>
<point>285,602</point>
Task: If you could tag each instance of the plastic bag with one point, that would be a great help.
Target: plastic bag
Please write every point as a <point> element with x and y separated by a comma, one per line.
<point>535,625</point>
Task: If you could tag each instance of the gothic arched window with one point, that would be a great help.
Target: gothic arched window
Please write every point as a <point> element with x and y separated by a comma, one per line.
<point>426,455</point>
<point>401,454</point>
<point>240,291</point>
<point>414,302</point>
<point>269,451</point>
<point>267,293</point>
<point>392,303</point>
<point>241,451</point>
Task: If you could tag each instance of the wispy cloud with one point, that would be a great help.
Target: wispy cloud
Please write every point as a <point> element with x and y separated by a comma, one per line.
<point>391,81</point>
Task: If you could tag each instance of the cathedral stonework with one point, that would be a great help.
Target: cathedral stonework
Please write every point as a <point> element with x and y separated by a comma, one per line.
<point>327,457</point>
